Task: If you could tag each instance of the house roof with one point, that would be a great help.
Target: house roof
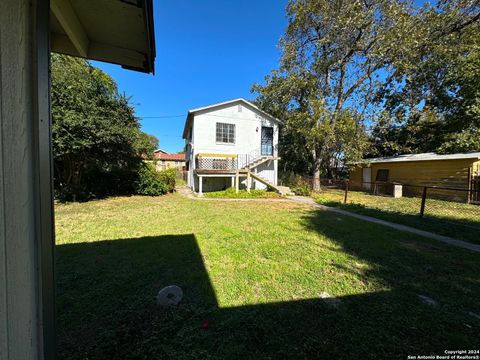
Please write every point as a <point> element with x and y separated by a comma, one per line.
<point>424,157</point>
<point>115,31</point>
<point>160,151</point>
<point>172,157</point>
<point>192,112</point>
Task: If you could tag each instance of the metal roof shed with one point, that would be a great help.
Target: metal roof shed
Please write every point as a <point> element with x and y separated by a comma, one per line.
<point>116,31</point>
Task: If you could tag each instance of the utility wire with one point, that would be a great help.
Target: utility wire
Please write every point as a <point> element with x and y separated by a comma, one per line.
<point>161,117</point>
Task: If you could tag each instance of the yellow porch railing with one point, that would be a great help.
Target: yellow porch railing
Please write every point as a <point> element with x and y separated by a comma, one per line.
<point>218,155</point>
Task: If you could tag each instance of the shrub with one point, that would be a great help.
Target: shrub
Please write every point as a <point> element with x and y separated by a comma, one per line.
<point>301,190</point>
<point>153,183</point>
<point>301,186</point>
<point>168,178</point>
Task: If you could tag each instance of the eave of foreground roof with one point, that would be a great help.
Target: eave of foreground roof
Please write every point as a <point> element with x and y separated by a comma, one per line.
<point>114,31</point>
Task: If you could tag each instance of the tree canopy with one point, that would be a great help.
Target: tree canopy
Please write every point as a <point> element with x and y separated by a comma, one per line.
<point>432,96</point>
<point>332,52</point>
<point>409,73</point>
<point>97,142</point>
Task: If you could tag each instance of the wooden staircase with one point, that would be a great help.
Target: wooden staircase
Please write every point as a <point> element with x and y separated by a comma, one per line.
<point>282,190</point>
<point>259,161</point>
<point>250,162</point>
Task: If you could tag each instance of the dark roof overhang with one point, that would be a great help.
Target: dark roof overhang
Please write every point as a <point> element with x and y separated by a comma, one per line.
<point>115,31</point>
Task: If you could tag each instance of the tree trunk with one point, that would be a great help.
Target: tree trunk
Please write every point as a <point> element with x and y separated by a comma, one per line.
<point>317,162</point>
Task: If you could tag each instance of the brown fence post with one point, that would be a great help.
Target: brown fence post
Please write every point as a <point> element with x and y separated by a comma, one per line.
<point>346,192</point>
<point>424,198</point>
<point>469,184</point>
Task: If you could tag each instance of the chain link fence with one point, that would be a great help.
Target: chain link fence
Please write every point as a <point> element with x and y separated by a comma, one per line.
<point>181,176</point>
<point>453,212</point>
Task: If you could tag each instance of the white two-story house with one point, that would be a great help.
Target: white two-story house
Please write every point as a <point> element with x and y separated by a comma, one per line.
<point>231,144</point>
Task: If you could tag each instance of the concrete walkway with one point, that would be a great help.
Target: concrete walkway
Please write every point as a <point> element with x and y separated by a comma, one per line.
<point>309,201</point>
<point>409,229</point>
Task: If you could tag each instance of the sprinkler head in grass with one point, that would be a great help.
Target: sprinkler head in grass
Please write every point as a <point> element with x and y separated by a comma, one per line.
<point>169,296</point>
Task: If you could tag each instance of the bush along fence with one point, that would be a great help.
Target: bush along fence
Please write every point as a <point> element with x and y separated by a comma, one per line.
<point>153,183</point>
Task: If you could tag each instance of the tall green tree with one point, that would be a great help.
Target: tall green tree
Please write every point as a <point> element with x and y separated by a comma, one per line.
<point>96,138</point>
<point>146,145</point>
<point>432,96</point>
<point>332,55</point>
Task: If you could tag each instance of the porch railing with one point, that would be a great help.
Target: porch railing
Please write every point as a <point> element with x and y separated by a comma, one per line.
<point>232,161</point>
<point>245,161</point>
<point>216,162</point>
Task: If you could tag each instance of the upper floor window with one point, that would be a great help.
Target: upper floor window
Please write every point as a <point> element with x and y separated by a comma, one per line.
<point>226,133</point>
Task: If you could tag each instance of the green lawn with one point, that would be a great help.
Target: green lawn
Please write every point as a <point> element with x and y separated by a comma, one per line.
<point>458,220</point>
<point>252,273</point>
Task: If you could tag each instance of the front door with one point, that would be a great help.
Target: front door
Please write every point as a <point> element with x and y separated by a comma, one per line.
<point>267,141</point>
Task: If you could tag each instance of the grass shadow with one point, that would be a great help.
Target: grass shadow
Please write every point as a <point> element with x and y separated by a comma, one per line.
<point>106,293</point>
<point>106,300</point>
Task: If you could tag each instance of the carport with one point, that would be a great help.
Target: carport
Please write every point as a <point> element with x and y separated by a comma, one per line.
<point>115,31</point>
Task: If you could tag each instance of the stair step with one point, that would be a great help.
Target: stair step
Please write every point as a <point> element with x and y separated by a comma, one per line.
<point>260,160</point>
<point>282,190</point>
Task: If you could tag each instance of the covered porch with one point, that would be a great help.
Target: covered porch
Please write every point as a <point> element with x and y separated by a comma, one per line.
<point>215,172</point>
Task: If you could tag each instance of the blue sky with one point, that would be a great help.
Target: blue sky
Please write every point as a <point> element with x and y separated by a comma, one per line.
<point>207,51</point>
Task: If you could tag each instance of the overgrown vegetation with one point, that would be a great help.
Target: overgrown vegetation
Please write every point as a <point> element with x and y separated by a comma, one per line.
<point>253,276</point>
<point>152,183</point>
<point>298,184</point>
<point>242,194</point>
<point>97,142</point>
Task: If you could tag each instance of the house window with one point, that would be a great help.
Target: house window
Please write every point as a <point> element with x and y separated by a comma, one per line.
<point>382,175</point>
<point>226,133</point>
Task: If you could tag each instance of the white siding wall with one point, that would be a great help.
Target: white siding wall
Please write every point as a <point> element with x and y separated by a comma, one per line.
<point>267,171</point>
<point>248,127</point>
<point>247,138</point>
<point>26,203</point>
<point>191,161</point>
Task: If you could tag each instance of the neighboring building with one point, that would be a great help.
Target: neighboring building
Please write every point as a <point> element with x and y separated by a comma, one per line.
<point>231,144</point>
<point>157,153</point>
<point>167,161</point>
<point>460,171</point>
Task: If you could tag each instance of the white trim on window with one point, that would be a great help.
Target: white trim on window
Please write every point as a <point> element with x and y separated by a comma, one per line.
<point>225,133</point>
